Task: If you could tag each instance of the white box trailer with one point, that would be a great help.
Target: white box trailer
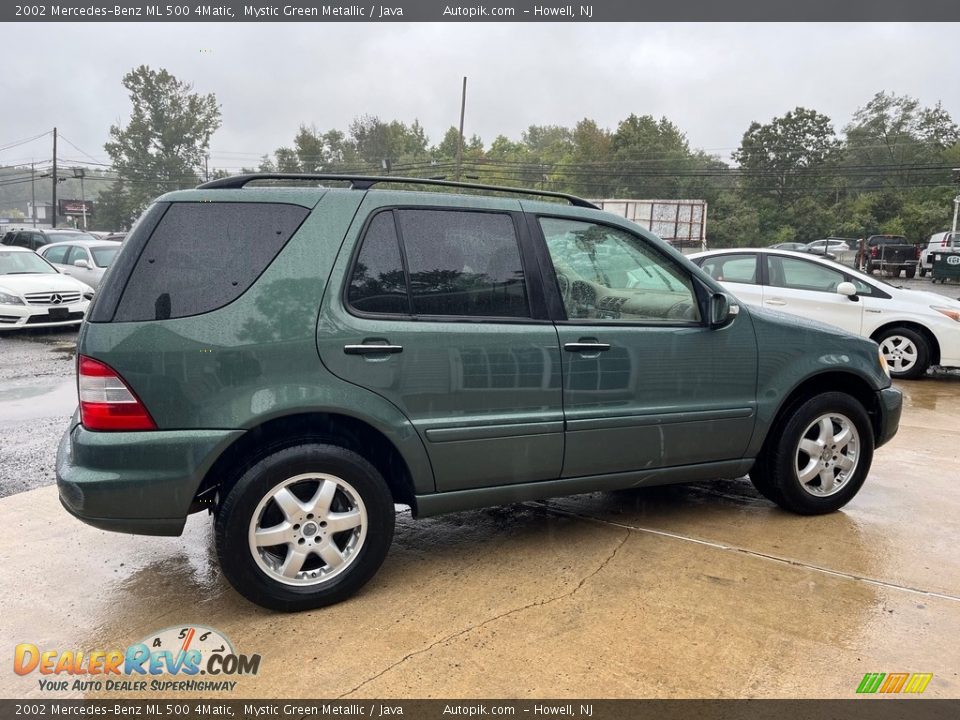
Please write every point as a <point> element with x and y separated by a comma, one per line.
<point>682,223</point>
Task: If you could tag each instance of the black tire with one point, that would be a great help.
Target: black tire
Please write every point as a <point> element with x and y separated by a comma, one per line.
<point>923,271</point>
<point>358,488</point>
<point>868,268</point>
<point>910,273</point>
<point>776,475</point>
<point>889,344</point>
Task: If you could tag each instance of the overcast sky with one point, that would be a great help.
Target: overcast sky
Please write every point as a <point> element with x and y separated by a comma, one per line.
<point>712,80</point>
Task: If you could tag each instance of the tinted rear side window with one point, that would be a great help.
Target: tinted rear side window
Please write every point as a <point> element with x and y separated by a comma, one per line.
<point>463,263</point>
<point>377,284</point>
<point>202,256</point>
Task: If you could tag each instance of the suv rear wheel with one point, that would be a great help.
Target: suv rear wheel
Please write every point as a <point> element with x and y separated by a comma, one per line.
<point>818,457</point>
<point>305,527</point>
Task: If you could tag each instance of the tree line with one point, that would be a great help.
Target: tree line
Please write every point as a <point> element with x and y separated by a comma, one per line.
<point>793,178</point>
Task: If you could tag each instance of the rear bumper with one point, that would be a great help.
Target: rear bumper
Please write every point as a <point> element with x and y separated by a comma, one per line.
<point>135,482</point>
<point>889,407</point>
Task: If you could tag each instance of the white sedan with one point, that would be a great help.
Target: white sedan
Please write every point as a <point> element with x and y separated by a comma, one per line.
<point>86,260</point>
<point>34,294</point>
<point>914,328</point>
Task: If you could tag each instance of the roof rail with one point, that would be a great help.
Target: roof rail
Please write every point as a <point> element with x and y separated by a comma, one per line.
<point>365,182</point>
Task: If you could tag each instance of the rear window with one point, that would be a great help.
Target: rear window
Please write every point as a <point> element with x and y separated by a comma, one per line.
<point>202,256</point>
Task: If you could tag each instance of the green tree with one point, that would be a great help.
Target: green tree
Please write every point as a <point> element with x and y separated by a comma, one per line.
<point>791,155</point>
<point>892,134</point>
<point>163,146</point>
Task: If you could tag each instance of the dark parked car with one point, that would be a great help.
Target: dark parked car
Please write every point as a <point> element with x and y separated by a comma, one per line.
<point>891,255</point>
<point>299,359</point>
<point>36,238</point>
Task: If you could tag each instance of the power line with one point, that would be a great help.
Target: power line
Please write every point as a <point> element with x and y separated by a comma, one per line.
<point>17,143</point>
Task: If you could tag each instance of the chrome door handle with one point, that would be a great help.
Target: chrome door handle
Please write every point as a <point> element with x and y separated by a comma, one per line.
<point>774,302</point>
<point>372,349</point>
<point>586,346</point>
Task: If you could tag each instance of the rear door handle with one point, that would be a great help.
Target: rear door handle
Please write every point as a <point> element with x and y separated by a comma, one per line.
<point>586,347</point>
<point>775,302</point>
<point>372,348</point>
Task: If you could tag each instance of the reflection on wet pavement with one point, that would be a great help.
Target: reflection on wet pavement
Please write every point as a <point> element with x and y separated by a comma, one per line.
<point>686,591</point>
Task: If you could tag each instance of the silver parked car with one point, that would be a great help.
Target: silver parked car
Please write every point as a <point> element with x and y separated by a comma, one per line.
<point>86,260</point>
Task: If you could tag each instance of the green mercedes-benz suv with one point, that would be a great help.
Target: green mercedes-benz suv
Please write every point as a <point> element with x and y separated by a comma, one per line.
<point>298,358</point>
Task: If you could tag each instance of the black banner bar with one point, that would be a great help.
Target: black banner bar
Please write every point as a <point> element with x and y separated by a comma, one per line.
<point>485,11</point>
<point>872,708</point>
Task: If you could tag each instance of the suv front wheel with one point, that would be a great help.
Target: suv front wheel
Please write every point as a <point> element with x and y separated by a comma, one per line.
<point>818,457</point>
<point>304,527</point>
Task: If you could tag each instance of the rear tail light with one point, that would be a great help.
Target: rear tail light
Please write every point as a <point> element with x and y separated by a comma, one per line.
<point>917,248</point>
<point>106,403</point>
<point>875,251</point>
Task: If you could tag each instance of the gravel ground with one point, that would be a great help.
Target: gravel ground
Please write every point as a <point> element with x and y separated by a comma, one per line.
<point>36,353</point>
<point>36,370</point>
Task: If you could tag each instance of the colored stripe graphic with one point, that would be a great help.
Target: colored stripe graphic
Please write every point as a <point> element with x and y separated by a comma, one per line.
<point>894,683</point>
<point>918,682</point>
<point>871,682</point>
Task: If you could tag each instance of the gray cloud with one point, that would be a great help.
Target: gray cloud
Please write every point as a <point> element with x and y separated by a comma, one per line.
<point>712,80</point>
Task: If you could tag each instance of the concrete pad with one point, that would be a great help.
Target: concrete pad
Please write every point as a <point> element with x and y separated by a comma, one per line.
<point>700,591</point>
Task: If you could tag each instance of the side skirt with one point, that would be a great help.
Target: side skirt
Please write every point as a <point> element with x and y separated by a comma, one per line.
<point>455,501</point>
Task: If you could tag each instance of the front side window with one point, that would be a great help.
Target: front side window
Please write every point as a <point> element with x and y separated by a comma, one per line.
<point>441,263</point>
<point>607,274</point>
<point>76,253</point>
<point>799,274</point>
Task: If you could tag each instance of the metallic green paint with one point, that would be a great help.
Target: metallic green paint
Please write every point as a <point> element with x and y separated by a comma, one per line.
<point>480,412</point>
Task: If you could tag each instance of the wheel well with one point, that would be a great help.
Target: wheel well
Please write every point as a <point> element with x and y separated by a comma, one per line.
<point>917,328</point>
<point>841,382</point>
<point>329,428</point>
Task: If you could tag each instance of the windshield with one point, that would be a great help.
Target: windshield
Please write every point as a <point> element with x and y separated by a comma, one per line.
<point>23,263</point>
<point>103,256</point>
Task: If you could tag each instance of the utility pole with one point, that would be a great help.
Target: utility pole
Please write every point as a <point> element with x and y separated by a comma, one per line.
<point>33,194</point>
<point>79,172</point>
<point>956,200</point>
<point>54,223</point>
<point>463,108</point>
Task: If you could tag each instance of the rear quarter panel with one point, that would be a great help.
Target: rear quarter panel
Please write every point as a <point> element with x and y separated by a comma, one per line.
<point>256,358</point>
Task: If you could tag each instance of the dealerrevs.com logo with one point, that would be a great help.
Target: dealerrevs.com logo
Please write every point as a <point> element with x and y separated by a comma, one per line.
<point>184,653</point>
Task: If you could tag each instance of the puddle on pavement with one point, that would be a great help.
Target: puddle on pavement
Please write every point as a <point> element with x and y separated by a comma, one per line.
<point>38,398</point>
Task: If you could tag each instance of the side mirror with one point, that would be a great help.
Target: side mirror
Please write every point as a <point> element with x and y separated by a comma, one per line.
<point>722,309</point>
<point>848,289</point>
<point>85,264</point>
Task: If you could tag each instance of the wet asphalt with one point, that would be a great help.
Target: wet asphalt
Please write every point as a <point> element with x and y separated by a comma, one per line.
<point>705,590</point>
<point>37,397</point>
